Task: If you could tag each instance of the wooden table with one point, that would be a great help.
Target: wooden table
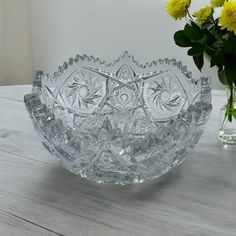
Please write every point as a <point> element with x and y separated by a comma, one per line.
<point>39,197</point>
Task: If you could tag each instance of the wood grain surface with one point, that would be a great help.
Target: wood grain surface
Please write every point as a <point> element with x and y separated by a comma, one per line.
<point>39,197</point>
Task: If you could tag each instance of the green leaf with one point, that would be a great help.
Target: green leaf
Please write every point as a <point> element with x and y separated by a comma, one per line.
<point>193,32</point>
<point>217,59</point>
<point>199,61</point>
<point>229,46</point>
<point>230,70</point>
<point>181,39</point>
<point>222,77</point>
<point>230,76</point>
<point>196,50</point>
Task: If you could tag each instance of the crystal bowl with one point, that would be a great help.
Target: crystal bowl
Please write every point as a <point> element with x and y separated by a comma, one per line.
<point>120,122</point>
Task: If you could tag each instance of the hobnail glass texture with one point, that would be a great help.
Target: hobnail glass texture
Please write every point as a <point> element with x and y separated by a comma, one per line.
<point>120,122</point>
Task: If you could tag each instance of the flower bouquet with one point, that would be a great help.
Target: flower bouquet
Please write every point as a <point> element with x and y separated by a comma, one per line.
<point>215,36</point>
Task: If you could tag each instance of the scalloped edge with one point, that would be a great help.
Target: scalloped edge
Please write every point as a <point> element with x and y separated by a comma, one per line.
<point>66,65</point>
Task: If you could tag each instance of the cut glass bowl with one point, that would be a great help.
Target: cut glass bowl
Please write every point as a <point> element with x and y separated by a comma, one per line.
<point>120,122</point>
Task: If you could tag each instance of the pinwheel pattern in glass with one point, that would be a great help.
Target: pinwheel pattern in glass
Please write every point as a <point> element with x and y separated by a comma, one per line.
<point>120,122</point>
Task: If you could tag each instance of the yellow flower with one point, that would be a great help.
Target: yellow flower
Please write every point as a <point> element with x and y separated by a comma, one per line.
<point>203,14</point>
<point>177,9</point>
<point>217,3</point>
<point>228,17</point>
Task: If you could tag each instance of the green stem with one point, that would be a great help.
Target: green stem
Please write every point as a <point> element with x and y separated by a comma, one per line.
<point>230,105</point>
<point>189,15</point>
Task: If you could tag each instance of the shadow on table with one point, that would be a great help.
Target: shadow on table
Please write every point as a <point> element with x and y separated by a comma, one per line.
<point>66,186</point>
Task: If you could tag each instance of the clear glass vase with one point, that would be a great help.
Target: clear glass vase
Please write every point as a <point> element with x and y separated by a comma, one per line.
<point>227,133</point>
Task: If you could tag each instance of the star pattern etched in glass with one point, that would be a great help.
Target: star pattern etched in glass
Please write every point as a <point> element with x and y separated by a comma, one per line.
<point>120,122</point>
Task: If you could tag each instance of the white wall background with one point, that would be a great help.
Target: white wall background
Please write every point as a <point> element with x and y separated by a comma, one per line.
<point>1,43</point>
<point>15,42</point>
<point>62,28</point>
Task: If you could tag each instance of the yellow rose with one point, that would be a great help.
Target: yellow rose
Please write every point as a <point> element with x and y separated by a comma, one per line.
<point>177,9</point>
<point>228,17</point>
<point>217,3</point>
<point>203,14</point>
